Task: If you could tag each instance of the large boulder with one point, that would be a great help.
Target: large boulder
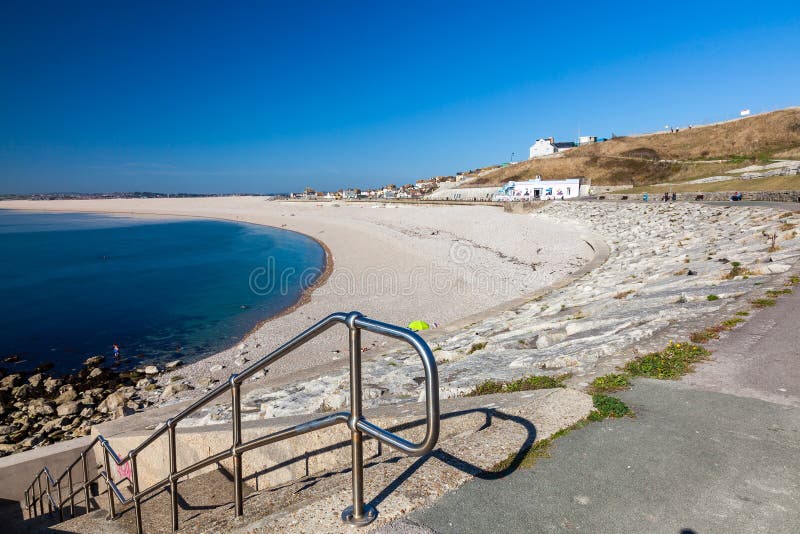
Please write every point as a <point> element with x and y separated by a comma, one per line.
<point>96,372</point>
<point>11,381</point>
<point>39,407</point>
<point>68,408</point>
<point>36,380</point>
<point>112,402</point>
<point>66,394</point>
<point>94,361</point>
<point>22,392</point>
<point>174,388</point>
<point>52,384</point>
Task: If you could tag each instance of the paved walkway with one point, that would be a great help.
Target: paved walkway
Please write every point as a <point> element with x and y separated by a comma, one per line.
<point>716,452</point>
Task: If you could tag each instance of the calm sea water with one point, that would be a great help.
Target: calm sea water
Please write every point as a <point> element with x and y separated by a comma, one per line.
<point>72,285</point>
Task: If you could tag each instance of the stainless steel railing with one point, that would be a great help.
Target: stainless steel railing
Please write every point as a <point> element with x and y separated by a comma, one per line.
<point>358,513</point>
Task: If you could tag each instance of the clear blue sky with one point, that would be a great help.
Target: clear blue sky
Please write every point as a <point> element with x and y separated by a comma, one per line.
<point>262,97</point>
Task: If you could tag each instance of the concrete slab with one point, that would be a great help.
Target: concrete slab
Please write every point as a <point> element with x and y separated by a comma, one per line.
<point>691,461</point>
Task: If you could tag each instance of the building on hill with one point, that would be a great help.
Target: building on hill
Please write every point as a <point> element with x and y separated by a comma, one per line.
<point>587,139</point>
<point>564,146</point>
<point>539,189</point>
<point>547,146</point>
<point>543,147</point>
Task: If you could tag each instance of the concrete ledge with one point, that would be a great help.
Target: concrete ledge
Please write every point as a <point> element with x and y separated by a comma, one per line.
<point>17,470</point>
<point>329,449</point>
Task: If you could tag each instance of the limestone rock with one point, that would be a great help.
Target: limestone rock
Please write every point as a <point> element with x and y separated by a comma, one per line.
<point>39,407</point>
<point>174,388</point>
<point>112,402</point>
<point>11,381</point>
<point>216,368</point>
<point>36,380</point>
<point>52,384</point>
<point>96,372</point>
<point>151,370</point>
<point>94,360</point>
<point>143,383</point>
<point>69,408</point>
<point>67,394</point>
<point>173,365</point>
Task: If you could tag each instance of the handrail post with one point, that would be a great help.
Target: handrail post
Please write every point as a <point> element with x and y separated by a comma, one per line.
<point>173,468</point>
<point>60,503</point>
<point>236,420</point>
<point>41,502</point>
<point>85,481</point>
<point>27,504</point>
<point>358,513</point>
<point>136,499</point>
<point>112,512</point>
<point>71,493</point>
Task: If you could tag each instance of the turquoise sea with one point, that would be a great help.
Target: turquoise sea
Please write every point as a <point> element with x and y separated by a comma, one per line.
<point>73,285</point>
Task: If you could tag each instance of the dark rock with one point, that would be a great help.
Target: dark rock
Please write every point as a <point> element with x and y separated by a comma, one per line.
<point>94,361</point>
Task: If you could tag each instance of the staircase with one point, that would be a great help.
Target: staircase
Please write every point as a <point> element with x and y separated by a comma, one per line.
<point>139,508</point>
<point>477,433</point>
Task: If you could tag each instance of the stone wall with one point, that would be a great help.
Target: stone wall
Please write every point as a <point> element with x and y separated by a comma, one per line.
<point>467,193</point>
<point>769,196</point>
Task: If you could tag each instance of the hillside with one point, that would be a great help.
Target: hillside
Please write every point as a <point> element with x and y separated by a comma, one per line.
<point>667,157</point>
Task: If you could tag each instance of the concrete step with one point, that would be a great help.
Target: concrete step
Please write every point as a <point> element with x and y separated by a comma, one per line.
<point>477,434</point>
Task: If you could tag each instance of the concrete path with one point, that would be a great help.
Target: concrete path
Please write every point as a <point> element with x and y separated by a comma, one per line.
<point>716,452</point>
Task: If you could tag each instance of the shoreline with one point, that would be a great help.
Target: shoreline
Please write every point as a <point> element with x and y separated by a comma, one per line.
<point>228,209</point>
<point>303,298</point>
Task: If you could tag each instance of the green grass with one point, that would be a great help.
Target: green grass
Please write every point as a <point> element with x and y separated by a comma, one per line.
<point>674,361</point>
<point>605,406</point>
<point>712,297</point>
<point>730,323</point>
<point>610,382</point>
<point>793,281</point>
<point>523,384</point>
<point>743,313</point>
<point>763,303</point>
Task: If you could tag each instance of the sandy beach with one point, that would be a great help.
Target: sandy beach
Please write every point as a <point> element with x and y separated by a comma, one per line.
<point>395,263</point>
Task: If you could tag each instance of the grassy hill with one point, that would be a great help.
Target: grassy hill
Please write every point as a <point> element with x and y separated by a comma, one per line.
<point>668,157</point>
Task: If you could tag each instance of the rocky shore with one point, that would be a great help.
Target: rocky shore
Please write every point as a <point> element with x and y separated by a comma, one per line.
<point>38,408</point>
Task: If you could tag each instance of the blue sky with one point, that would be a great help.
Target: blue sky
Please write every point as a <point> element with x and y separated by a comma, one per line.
<point>269,97</point>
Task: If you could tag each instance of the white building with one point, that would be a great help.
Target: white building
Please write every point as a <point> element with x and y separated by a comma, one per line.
<point>587,139</point>
<point>543,147</point>
<point>539,190</point>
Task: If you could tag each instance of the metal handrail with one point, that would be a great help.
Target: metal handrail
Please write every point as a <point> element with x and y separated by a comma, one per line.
<point>358,513</point>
